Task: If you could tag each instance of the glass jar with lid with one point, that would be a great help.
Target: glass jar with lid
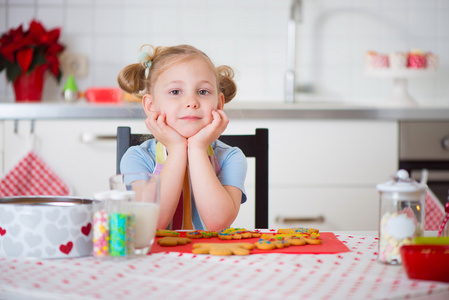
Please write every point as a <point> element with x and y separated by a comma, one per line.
<point>402,215</point>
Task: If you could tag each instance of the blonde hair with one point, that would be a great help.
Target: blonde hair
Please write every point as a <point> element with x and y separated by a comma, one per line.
<point>132,78</point>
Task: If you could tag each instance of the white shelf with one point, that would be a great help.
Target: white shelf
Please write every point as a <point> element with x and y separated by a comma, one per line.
<point>400,95</point>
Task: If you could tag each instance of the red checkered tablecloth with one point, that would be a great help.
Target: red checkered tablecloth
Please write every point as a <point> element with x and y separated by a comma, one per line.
<point>172,275</point>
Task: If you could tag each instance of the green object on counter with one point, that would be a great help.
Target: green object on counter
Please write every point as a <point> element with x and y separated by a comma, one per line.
<point>70,84</point>
<point>70,91</point>
<point>426,240</point>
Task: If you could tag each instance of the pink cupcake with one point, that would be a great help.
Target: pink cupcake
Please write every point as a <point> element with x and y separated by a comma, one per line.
<point>375,60</point>
<point>417,59</point>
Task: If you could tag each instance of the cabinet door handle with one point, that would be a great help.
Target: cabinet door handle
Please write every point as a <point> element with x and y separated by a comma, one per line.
<point>318,219</point>
<point>445,143</point>
<point>88,138</point>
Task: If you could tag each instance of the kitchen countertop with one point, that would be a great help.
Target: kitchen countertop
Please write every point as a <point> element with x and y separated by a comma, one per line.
<point>235,110</point>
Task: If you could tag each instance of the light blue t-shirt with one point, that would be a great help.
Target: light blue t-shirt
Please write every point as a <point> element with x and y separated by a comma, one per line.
<point>231,160</point>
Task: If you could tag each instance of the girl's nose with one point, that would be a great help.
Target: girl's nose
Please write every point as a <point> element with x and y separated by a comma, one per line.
<point>192,102</point>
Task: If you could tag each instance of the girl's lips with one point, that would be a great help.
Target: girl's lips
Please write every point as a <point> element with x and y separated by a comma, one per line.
<point>190,118</point>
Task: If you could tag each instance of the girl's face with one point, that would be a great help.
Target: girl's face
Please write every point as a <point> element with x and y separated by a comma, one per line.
<point>186,93</point>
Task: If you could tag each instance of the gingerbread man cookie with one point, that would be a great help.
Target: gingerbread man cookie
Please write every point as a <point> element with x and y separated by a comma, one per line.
<point>222,249</point>
<point>161,232</point>
<point>173,241</point>
<point>198,234</point>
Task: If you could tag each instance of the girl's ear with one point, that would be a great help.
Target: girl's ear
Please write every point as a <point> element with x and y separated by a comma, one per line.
<point>221,101</point>
<point>148,104</point>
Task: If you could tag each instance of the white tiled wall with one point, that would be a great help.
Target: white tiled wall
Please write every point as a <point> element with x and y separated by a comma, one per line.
<point>251,36</point>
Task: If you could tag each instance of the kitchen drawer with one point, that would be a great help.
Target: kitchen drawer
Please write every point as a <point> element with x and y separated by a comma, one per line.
<point>339,208</point>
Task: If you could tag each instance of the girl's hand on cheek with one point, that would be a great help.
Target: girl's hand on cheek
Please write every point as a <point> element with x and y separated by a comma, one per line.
<point>157,125</point>
<point>212,131</point>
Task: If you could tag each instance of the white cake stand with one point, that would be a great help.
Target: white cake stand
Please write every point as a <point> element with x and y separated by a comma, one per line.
<point>400,95</point>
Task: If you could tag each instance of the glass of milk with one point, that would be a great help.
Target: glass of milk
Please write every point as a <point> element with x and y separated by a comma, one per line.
<point>142,205</point>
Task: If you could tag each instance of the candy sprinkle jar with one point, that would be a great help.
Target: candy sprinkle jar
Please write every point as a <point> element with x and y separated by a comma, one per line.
<point>401,215</point>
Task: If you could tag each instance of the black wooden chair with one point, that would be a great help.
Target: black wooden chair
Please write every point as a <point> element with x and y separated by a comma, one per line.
<point>255,145</point>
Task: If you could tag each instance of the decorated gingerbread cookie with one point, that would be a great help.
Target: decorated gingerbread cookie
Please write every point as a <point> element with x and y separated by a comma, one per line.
<point>198,234</point>
<point>271,244</point>
<point>312,239</point>
<point>237,234</point>
<point>297,230</point>
<point>289,237</point>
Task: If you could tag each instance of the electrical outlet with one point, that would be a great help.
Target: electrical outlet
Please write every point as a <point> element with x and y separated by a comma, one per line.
<point>74,64</point>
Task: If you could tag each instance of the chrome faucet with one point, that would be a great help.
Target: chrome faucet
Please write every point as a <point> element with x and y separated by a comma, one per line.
<point>295,18</point>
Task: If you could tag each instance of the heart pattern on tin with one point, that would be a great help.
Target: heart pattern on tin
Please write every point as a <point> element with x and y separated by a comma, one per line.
<point>6,216</point>
<point>31,218</point>
<point>14,230</point>
<point>86,229</point>
<point>77,216</point>
<point>52,215</point>
<point>3,231</point>
<point>11,248</point>
<point>56,235</point>
<point>50,251</point>
<point>66,248</point>
<point>32,240</point>
<point>63,221</point>
<point>83,246</point>
<point>35,253</point>
<point>74,232</point>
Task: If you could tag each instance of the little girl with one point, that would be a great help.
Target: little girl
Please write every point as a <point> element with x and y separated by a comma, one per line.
<point>183,94</point>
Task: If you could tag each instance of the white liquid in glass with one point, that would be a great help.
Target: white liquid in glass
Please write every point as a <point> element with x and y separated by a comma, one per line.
<point>147,215</point>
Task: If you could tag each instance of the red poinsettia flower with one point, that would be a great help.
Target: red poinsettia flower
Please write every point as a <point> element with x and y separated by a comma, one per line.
<point>23,51</point>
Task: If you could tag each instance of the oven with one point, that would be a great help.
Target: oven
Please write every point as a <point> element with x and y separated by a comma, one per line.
<point>425,145</point>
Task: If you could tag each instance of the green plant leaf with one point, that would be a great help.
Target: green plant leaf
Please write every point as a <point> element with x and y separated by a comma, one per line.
<point>38,60</point>
<point>12,71</point>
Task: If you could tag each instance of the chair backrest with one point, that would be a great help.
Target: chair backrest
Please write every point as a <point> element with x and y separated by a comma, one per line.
<point>254,145</point>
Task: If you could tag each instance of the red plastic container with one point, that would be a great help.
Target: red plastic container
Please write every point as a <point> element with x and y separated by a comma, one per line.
<point>426,262</point>
<point>104,95</point>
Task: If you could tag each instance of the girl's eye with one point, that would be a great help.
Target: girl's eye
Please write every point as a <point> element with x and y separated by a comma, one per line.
<point>203,92</point>
<point>175,92</point>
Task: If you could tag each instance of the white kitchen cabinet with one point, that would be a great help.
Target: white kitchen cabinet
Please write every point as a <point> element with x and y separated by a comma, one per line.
<point>325,168</point>
<point>318,168</point>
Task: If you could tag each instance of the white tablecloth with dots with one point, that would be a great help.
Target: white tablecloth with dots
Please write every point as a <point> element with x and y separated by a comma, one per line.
<point>172,275</point>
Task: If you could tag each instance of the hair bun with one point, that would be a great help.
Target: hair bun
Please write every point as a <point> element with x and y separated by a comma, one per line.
<point>226,82</point>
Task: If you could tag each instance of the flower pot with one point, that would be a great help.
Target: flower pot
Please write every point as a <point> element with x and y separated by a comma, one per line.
<point>28,86</point>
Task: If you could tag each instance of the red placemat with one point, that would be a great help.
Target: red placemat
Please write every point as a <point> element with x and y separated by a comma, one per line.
<point>330,244</point>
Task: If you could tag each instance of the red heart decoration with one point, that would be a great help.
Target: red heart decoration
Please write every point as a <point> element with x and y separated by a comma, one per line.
<point>2,231</point>
<point>66,248</point>
<point>86,229</point>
